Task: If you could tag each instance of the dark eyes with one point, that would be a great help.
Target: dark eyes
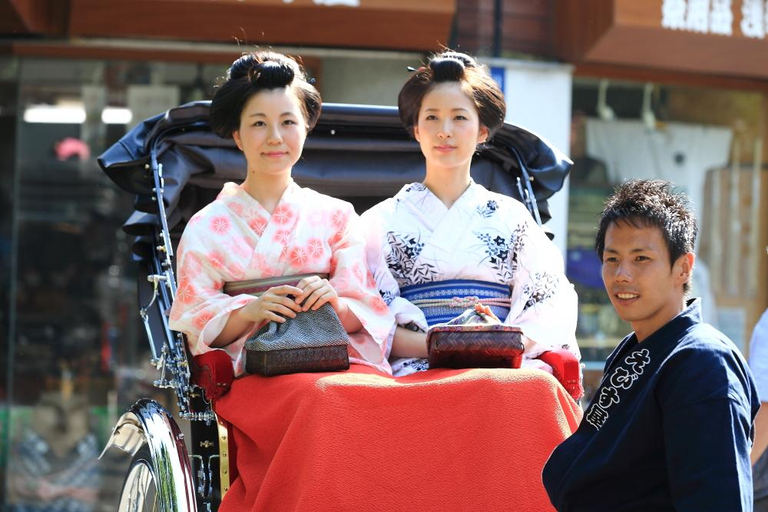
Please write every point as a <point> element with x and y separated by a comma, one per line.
<point>613,259</point>
<point>459,117</point>
<point>287,122</point>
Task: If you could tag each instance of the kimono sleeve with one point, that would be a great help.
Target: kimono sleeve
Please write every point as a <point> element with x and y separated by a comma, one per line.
<point>376,250</point>
<point>543,302</point>
<point>201,309</point>
<point>355,285</point>
<point>707,428</point>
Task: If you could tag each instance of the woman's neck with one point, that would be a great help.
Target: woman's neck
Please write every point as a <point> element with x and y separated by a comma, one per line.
<point>447,184</point>
<point>267,190</point>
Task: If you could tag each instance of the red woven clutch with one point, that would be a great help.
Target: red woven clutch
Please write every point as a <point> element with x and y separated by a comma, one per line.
<point>475,346</point>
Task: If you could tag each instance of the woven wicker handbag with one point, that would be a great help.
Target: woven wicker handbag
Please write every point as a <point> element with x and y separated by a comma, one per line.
<point>471,340</point>
<point>314,341</point>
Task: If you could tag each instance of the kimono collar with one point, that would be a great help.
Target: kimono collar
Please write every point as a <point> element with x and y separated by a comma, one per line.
<point>675,328</point>
<point>236,193</point>
<point>664,338</point>
<point>417,192</point>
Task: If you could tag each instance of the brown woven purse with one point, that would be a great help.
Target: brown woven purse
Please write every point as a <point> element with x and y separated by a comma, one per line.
<point>471,340</point>
<point>314,341</point>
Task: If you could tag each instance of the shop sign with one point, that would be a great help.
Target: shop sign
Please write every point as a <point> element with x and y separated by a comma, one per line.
<point>716,17</point>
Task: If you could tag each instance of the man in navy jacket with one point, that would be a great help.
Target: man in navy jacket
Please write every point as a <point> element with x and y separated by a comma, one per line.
<point>671,425</point>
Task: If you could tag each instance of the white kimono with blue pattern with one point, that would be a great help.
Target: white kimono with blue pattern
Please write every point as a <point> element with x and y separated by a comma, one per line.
<point>413,238</point>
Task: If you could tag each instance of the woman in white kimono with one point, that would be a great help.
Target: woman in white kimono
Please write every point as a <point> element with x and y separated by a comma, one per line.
<point>269,226</point>
<point>449,237</point>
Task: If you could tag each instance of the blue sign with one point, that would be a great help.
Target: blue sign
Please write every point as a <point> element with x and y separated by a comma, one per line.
<point>497,74</point>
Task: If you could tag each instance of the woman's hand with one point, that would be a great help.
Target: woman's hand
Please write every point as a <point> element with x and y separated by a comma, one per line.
<point>273,305</point>
<point>316,291</point>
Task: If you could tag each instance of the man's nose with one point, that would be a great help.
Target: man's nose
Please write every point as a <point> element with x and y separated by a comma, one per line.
<point>623,272</point>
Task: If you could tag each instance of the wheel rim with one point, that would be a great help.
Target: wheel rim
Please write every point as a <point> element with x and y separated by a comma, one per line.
<point>140,489</point>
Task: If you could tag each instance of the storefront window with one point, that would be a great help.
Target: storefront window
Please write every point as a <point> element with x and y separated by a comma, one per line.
<point>78,357</point>
<point>706,141</point>
<point>8,96</point>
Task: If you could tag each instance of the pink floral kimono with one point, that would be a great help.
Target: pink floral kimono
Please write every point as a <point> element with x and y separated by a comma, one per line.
<point>235,239</point>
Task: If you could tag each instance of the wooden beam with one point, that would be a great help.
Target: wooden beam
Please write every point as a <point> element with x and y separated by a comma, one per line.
<point>74,51</point>
<point>381,24</point>
<point>645,74</point>
<point>33,17</point>
<point>630,33</point>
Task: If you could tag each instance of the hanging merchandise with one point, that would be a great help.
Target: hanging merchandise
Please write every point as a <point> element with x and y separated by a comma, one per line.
<point>680,152</point>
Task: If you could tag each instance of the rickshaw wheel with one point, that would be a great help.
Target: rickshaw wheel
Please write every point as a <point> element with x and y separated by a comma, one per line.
<point>139,492</point>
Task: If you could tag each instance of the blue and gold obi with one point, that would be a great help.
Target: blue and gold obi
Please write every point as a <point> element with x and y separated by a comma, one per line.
<point>441,301</point>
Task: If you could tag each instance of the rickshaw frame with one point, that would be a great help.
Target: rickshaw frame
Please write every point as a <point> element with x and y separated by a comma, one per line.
<point>147,431</point>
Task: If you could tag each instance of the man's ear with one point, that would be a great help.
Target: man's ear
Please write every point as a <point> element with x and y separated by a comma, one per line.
<point>683,268</point>
<point>238,140</point>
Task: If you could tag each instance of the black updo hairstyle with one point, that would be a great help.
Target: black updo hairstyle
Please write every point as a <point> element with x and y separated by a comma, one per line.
<point>451,66</point>
<point>255,72</point>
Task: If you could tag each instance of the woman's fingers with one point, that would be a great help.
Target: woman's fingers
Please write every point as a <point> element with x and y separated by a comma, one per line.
<point>283,295</point>
<point>285,289</point>
<point>270,316</point>
<point>279,308</point>
<point>318,298</point>
<point>309,285</point>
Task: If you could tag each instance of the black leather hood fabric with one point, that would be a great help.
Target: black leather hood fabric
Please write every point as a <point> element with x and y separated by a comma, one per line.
<point>354,152</point>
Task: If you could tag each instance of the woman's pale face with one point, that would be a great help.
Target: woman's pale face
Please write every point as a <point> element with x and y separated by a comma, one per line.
<point>448,128</point>
<point>272,132</point>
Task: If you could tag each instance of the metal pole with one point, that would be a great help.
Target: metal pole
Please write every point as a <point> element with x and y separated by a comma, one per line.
<point>498,16</point>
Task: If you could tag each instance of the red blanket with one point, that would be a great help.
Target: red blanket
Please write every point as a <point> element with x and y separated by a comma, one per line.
<point>359,440</point>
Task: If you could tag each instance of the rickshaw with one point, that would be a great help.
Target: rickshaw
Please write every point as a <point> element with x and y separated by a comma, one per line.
<point>175,165</point>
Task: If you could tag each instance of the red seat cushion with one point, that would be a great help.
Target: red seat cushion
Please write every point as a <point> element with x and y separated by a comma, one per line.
<point>566,369</point>
<point>213,371</point>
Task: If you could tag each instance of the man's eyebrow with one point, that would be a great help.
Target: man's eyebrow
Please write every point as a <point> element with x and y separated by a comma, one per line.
<point>636,249</point>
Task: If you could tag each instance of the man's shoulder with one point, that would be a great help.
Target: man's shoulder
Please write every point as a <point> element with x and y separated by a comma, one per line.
<point>705,365</point>
<point>703,339</point>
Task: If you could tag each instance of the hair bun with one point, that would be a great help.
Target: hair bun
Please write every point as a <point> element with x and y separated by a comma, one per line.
<point>242,66</point>
<point>465,59</point>
<point>272,75</point>
<point>268,72</point>
<point>450,66</point>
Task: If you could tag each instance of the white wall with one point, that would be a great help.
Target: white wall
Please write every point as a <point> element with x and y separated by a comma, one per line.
<point>539,99</point>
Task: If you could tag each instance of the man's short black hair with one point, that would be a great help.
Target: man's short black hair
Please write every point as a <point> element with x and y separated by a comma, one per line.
<point>651,203</point>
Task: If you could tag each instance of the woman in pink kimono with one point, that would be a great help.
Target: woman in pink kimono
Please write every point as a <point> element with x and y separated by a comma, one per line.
<point>450,237</point>
<point>268,226</point>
